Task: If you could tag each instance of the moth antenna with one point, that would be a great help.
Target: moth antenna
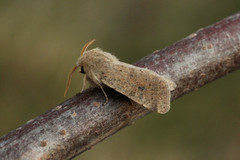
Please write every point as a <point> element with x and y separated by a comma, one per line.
<point>69,79</point>
<point>86,46</point>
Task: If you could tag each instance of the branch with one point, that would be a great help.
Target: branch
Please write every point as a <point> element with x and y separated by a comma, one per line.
<point>79,123</point>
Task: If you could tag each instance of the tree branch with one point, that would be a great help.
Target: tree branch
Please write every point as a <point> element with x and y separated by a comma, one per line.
<point>79,123</point>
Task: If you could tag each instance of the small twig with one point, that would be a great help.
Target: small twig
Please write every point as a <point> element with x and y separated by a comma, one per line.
<point>79,123</point>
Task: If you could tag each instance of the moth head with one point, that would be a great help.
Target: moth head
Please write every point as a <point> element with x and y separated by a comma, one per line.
<point>78,65</point>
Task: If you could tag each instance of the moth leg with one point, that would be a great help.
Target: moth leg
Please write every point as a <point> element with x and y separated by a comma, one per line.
<point>104,94</point>
<point>100,86</point>
<point>84,82</point>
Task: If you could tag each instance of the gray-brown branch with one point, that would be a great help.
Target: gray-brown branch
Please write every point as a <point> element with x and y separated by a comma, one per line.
<point>79,123</point>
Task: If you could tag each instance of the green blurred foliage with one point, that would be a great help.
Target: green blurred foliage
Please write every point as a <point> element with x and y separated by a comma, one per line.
<point>41,40</point>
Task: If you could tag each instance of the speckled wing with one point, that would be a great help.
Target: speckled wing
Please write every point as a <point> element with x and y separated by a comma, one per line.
<point>141,85</point>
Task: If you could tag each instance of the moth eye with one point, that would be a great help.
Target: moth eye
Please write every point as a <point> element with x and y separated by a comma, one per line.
<point>82,70</point>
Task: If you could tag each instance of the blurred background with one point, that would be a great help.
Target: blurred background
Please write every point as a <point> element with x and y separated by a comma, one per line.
<point>41,40</point>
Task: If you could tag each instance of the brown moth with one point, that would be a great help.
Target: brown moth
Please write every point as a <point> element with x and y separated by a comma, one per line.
<point>141,85</point>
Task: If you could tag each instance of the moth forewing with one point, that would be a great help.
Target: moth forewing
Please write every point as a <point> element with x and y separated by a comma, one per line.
<point>141,85</point>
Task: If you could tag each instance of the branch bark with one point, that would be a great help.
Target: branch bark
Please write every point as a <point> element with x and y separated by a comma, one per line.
<point>79,123</point>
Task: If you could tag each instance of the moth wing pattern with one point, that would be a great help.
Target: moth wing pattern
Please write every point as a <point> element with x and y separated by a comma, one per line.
<point>142,85</point>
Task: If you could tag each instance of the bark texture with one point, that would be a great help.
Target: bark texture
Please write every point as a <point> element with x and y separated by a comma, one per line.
<point>79,123</point>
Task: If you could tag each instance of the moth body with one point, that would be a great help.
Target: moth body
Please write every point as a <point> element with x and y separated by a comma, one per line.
<point>141,85</point>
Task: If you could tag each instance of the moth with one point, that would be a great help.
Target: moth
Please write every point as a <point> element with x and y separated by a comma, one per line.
<point>141,85</point>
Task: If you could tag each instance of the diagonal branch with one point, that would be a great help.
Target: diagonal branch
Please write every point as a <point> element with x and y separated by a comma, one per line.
<point>79,123</point>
